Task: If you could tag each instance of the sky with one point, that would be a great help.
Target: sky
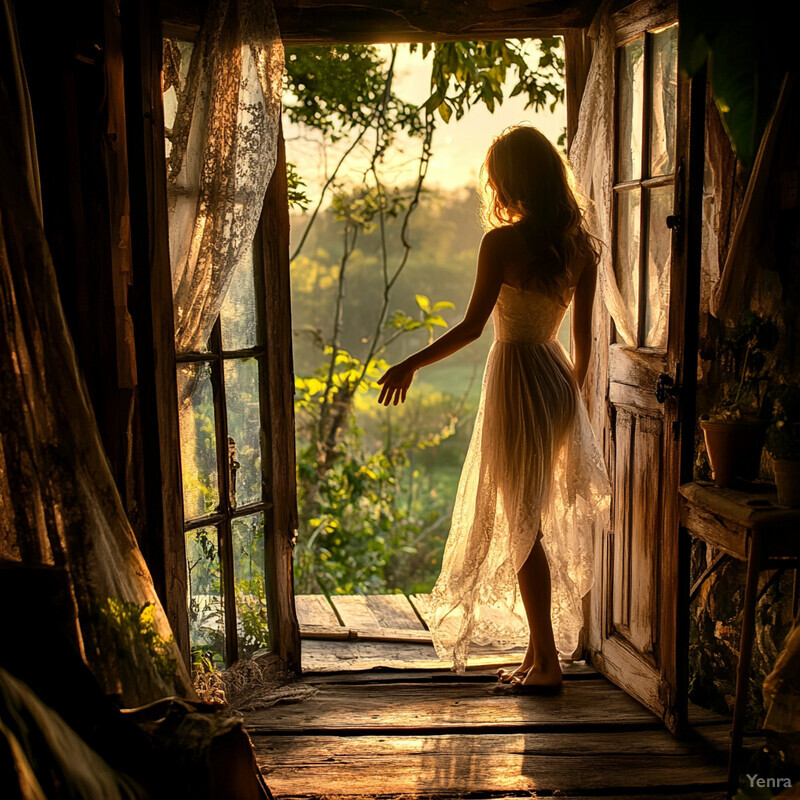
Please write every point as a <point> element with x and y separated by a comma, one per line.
<point>458,147</point>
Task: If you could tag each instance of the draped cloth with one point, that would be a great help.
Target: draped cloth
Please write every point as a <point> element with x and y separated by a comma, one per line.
<point>58,500</point>
<point>221,153</point>
<point>782,688</point>
<point>591,157</point>
<point>750,246</point>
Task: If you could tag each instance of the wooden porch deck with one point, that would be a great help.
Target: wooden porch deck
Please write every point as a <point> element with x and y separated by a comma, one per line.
<point>389,720</point>
<point>357,632</point>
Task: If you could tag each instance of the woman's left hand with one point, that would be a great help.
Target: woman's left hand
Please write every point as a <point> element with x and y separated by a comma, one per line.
<point>395,382</point>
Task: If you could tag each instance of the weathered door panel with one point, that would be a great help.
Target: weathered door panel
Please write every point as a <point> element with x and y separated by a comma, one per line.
<point>633,638</point>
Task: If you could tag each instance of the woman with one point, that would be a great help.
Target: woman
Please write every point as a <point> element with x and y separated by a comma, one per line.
<point>519,555</point>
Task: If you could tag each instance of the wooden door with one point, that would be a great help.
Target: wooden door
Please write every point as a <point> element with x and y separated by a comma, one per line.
<point>635,604</point>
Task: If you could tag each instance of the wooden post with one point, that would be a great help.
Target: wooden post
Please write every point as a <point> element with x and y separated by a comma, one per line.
<point>280,518</point>
<point>577,58</point>
<point>693,212</point>
<point>151,308</point>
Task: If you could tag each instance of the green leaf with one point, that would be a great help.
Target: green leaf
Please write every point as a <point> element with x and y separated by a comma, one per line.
<point>423,302</point>
<point>432,103</point>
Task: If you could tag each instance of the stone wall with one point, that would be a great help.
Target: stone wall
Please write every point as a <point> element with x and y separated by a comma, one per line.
<point>774,295</point>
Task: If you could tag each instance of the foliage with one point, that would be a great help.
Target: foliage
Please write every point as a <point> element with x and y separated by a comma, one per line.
<point>298,199</point>
<point>358,510</point>
<point>206,614</point>
<point>135,627</point>
<point>336,89</point>
<point>783,434</point>
<point>466,73</point>
<point>742,354</point>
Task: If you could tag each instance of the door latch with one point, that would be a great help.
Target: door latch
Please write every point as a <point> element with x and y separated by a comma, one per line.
<point>666,387</point>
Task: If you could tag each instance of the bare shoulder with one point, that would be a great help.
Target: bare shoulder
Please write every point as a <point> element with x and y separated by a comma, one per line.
<point>499,240</point>
<point>504,244</point>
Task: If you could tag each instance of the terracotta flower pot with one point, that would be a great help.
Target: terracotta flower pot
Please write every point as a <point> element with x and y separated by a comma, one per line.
<point>787,481</point>
<point>734,448</point>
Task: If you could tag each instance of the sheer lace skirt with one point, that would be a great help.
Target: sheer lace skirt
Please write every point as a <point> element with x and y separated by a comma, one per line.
<point>533,467</point>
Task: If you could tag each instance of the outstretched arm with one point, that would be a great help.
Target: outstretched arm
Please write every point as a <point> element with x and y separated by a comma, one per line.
<point>582,320</point>
<point>489,278</point>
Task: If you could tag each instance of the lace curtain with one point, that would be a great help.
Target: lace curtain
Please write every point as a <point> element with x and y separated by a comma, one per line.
<point>58,501</point>
<point>591,157</point>
<point>222,149</point>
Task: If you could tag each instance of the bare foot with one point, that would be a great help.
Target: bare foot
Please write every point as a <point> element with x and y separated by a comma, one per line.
<point>518,673</point>
<point>548,674</point>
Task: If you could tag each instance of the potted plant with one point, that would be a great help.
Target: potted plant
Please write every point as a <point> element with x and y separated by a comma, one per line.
<point>734,429</point>
<point>783,444</point>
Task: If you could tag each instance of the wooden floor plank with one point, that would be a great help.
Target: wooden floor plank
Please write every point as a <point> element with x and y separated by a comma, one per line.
<point>340,656</point>
<point>456,765</point>
<point>295,750</point>
<point>421,603</point>
<point>670,795</point>
<point>407,707</point>
<point>678,792</point>
<point>354,611</point>
<point>314,609</point>
<point>572,671</point>
<point>365,634</point>
<point>367,736</point>
<point>394,611</point>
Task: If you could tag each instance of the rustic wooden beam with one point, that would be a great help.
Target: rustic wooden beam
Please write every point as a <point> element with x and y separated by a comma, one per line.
<point>314,22</point>
<point>151,306</point>
<point>635,17</point>
<point>577,59</point>
<point>278,444</point>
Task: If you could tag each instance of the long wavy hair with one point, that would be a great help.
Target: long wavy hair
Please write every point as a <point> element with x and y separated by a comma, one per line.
<point>528,184</point>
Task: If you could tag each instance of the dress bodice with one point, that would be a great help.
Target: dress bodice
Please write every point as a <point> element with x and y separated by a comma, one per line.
<point>528,315</point>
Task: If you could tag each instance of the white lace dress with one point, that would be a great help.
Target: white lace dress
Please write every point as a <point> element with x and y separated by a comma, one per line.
<point>533,464</point>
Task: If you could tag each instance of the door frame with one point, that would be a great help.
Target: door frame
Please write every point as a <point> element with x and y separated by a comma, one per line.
<point>272,242</point>
<point>669,696</point>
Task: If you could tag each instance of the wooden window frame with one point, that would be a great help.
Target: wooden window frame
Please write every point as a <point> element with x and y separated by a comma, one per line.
<point>645,182</point>
<point>143,33</point>
<point>276,410</point>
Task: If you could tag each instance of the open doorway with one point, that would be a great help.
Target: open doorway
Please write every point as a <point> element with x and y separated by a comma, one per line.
<point>384,145</point>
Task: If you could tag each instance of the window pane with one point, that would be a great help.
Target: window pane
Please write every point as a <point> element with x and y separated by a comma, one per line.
<point>251,599</point>
<point>198,440</point>
<point>206,616</point>
<point>238,314</point>
<point>244,430</point>
<point>626,264</point>
<point>659,244</point>
<point>630,98</point>
<point>664,96</point>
